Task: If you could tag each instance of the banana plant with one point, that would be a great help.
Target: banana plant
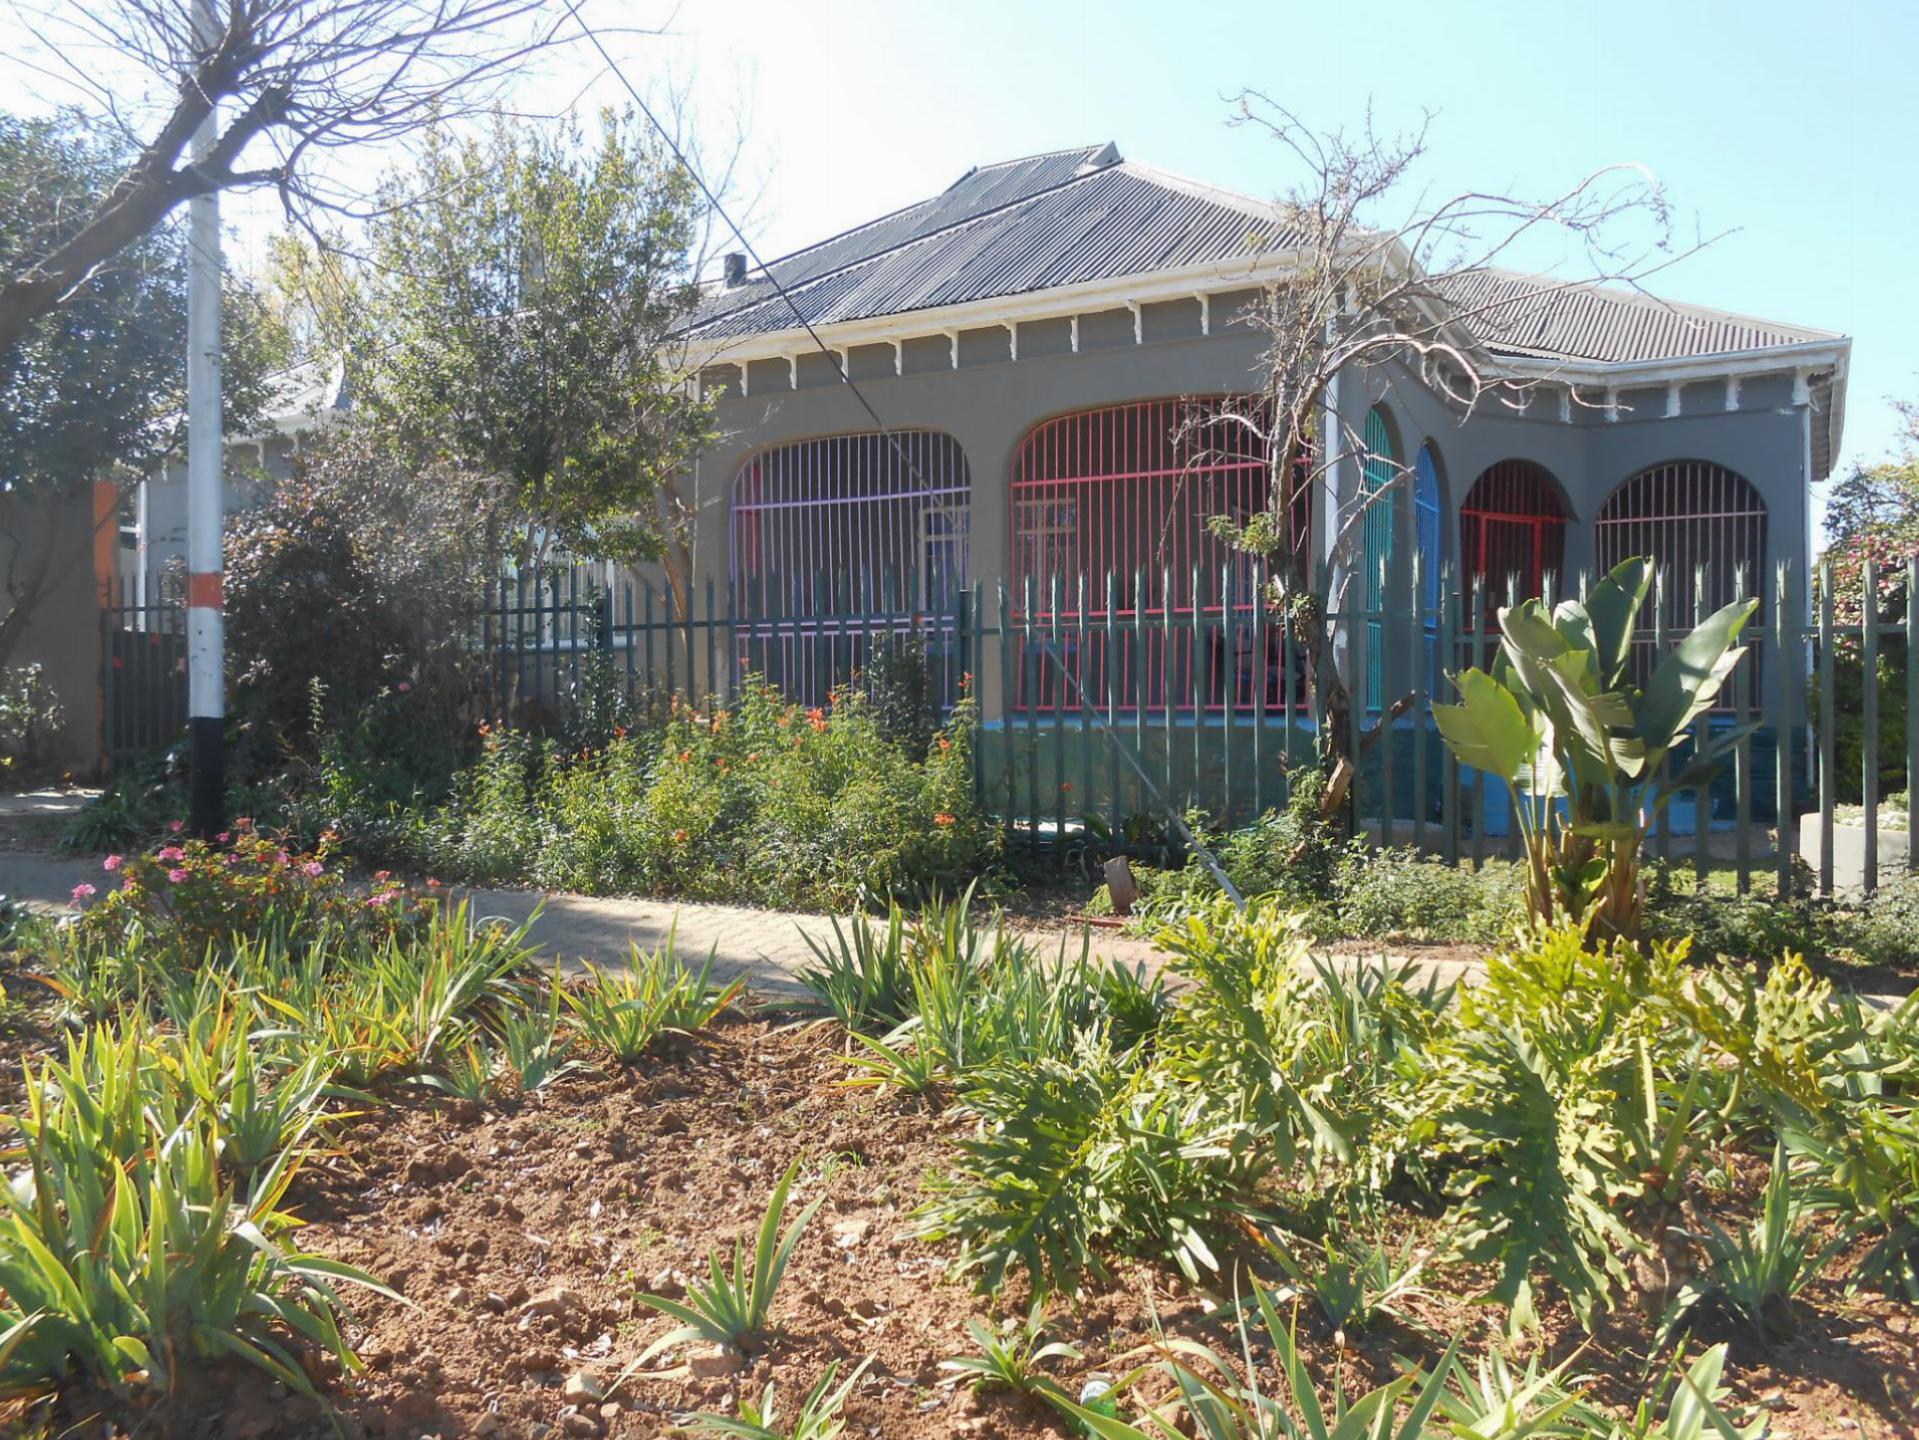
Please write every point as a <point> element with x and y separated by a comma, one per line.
<point>1582,750</point>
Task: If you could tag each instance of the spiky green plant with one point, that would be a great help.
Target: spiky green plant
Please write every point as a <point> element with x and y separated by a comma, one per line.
<point>126,1248</point>
<point>624,1011</point>
<point>731,1305</point>
<point>1355,1282</point>
<point>1010,1357</point>
<point>1757,1273</point>
<point>861,978</point>
<point>1218,1399</point>
<point>819,1416</point>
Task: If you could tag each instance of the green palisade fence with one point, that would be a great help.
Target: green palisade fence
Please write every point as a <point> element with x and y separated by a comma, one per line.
<point>1099,706</point>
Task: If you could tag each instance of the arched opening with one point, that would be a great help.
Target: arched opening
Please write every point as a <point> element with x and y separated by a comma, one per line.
<point>1112,512</point>
<point>1379,467</point>
<point>1427,525</point>
<point>1428,530</point>
<point>1705,527</point>
<point>1512,535</point>
<point>865,523</point>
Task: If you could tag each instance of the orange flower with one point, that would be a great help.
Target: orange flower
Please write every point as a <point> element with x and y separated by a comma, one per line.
<point>942,819</point>
<point>751,756</point>
<point>679,837</point>
<point>685,756</point>
<point>816,717</point>
<point>945,744</point>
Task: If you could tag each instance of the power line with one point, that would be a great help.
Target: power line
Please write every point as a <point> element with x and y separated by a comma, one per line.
<point>738,234</point>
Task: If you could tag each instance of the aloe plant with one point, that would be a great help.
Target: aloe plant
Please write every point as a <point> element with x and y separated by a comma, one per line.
<point>1583,751</point>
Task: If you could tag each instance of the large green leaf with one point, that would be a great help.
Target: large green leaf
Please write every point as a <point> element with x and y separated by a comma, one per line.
<point>1487,729</point>
<point>1689,678</point>
<point>1613,606</point>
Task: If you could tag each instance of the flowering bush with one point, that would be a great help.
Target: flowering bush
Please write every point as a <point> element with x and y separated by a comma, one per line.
<point>190,896</point>
<point>767,802</point>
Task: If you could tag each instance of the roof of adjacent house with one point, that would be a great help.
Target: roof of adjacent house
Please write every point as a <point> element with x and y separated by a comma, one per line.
<point>1072,217</point>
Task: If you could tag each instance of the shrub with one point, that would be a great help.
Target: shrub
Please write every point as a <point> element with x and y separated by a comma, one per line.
<point>365,573</point>
<point>1885,929</point>
<point>190,898</point>
<point>31,720</point>
<point>767,802</point>
<point>1396,893</point>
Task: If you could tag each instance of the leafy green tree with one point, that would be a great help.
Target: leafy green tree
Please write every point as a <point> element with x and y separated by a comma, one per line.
<point>522,307</point>
<point>1875,499</point>
<point>96,388</point>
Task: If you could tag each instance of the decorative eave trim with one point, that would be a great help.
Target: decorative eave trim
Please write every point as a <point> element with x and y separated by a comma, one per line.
<point>1199,282</point>
<point>1000,312</point>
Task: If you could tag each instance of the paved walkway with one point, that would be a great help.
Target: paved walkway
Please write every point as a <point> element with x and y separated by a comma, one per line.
<point>768,947</point>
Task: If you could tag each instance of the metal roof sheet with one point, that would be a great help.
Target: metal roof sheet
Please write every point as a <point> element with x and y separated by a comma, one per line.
<point>1117,219</point>
<point>1071,217</point>
<point>1538,315</point>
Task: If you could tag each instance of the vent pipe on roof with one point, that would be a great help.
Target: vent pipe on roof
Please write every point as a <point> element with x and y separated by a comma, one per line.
<point>735,264</point>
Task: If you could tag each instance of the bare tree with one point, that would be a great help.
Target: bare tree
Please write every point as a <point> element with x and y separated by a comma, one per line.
<point>1359,295</point>
<point>298,80</point>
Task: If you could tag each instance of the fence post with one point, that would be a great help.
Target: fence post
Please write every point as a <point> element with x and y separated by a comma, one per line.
<point>1008,704</point>
<point>1742,710</point>
<point>1912,714</point>
<point>1790,660</point>
<point>1828,749</point>
<point>1422,683</point>
<point>1869,722</point>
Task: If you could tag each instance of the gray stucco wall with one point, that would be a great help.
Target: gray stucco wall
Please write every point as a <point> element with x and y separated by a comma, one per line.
<point>63,634</point>
<point>990,402</point>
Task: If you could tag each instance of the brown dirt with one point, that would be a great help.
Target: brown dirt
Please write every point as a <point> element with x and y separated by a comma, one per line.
<point>603,1184</point>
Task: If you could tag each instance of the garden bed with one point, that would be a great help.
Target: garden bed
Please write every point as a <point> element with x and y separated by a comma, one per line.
<point>520,1236</point>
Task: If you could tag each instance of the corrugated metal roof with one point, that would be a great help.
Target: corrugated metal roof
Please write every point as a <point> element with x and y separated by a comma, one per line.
<point>1516,314</point>
<point>1072,217</point>
<point>1119,219</point>
<point>979,190</point>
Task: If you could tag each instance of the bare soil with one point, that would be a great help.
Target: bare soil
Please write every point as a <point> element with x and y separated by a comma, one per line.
<point>521,1237</point>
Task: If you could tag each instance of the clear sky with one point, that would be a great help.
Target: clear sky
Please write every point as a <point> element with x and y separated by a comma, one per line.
<point>1790,125</point>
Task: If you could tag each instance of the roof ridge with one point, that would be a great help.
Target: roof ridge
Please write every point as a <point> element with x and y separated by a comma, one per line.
<point>1205,190</point>
<point>947,229</point>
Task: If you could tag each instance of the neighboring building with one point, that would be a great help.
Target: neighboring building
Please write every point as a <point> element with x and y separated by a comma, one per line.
<point>153,528</point>
<point>1033,336</point>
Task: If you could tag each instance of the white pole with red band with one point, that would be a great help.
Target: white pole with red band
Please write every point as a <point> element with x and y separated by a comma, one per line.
<point>206,632</point>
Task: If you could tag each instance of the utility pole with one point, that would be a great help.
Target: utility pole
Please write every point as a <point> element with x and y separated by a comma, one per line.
<point>206,625</point>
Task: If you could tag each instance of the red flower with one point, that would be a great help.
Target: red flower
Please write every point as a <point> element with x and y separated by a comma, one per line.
<point>942,819</point>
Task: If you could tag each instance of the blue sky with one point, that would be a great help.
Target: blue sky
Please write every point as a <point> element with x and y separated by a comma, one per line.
<point>1786,125</point>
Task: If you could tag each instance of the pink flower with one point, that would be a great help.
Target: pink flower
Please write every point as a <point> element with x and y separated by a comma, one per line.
<point>83,891</point>
<point>375,902</point>
<point>178,877</point>
<point>174,827</point>
<point>113,862</point>
<point>405,686</point>
<point>222,837</point>
<point>280,857</point>
<point>172,852</point>
<point>229,860</point>
<point>313,868</point>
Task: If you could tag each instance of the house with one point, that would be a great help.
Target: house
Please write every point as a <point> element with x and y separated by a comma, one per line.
<point>302,400</point>
<point>1033,337</point>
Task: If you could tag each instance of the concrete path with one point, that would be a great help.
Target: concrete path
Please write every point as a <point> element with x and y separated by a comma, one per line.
<point>768,947</point>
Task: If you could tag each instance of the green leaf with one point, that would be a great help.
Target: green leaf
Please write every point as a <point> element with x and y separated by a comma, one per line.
<point>1689,678</point>
<point>1487,729</point>
<point>1613,606</point>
